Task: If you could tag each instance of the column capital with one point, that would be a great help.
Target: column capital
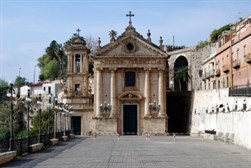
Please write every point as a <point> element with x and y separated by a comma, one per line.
<point>147,69</point>
<point>113,68</point>
<point>161,69</point>
<point>99,68</point>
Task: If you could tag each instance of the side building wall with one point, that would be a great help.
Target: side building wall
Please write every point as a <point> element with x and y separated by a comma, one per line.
<point>204,115</point>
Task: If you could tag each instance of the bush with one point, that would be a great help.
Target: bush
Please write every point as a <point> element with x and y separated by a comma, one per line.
<point>4,133</point>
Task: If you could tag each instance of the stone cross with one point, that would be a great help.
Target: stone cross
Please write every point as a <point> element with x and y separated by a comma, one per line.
<point>78,30</point>
<point>130,15</point>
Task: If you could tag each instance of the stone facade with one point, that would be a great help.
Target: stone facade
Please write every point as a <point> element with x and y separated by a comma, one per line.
<point>77,92</point>
<point>129,78</point>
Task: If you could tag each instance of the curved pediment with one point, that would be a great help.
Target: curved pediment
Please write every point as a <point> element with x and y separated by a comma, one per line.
<point>130,96</point>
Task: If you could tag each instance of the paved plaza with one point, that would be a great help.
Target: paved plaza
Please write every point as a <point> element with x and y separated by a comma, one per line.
<point>137,152</point>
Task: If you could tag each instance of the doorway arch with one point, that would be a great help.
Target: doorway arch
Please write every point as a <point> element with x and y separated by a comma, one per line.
<point>180,74</point>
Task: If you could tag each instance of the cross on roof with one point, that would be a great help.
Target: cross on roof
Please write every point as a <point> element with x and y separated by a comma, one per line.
<point>78,30</point>
<point>130,15</point>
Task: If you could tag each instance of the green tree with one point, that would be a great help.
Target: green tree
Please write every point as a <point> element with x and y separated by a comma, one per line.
<point>52,62</point>
<point>216,33</point>
<point>47,122</point>
<point>3,89</point>
<point>19,82</point>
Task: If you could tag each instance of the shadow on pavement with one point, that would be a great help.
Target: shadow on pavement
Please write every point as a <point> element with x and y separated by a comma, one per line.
<point>31,160</point>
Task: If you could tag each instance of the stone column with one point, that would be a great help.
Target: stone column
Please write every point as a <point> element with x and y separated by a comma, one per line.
<point>69,63</point>
<point>98,92</point>
<point>113,94</point>
<point>161,93</point>
<point>81,63</point>
<point>74,63</point>
<point>146,93</point>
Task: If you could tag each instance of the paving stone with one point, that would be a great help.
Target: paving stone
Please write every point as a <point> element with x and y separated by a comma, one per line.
<point>137,152</point>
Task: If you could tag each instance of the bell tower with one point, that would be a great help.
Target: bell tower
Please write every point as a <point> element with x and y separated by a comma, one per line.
<point>77,68</point>
<point>77,92</point>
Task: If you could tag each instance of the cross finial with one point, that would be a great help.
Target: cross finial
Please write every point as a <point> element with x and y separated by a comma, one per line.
<point>78,30</point>
<point>130,15</point>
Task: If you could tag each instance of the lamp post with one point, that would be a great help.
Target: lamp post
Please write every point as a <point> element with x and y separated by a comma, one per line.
<point>28,100</point>
<point>55,119</point>
<point>39,102</point>
<point>49,105</point>
<point>11,94</point>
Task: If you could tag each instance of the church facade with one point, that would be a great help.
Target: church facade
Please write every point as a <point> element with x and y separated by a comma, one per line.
<point>130,85</point>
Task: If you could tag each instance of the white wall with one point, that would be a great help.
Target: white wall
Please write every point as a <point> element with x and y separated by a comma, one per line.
<point>237,122</point>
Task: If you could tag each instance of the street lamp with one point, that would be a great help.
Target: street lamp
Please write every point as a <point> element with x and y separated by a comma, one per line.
<point>55,120</point>
<point>11,94</point>
<point>49,105</point>
<point>28,100</point>
<point>39,103</point>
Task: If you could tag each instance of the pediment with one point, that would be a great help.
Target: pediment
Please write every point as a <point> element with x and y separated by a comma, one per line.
<point>131,46</point>
<point>130,96</point>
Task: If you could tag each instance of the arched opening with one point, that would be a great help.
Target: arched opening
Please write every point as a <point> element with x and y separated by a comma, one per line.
<point>181,75</point>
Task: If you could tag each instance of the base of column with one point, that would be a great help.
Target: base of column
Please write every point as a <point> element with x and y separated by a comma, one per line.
<point>105,126</point>
<point>162,115</point>
<point>155,125</point>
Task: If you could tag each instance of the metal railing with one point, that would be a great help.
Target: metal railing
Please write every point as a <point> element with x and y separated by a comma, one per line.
<point>20,145</point>
<point>240,90</point>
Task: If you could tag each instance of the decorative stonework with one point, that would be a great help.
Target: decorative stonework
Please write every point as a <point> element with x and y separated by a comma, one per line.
<point>130,52</point>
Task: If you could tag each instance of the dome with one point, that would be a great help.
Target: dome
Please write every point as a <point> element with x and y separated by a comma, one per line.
<point>78,40</point>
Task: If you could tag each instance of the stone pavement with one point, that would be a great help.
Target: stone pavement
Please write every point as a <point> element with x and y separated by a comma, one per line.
<point>137,152</point>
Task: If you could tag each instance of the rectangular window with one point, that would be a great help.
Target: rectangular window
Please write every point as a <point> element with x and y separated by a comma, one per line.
<point>227,82</point>
<point>130,78</point>
<point>49,90</point>
<point>218,84</point>
<point>244,50</point>
<point>77,87</point>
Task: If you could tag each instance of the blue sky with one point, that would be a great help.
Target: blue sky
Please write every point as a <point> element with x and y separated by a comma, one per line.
<point>28,26</point>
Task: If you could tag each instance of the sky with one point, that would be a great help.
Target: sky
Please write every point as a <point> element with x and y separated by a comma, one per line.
<point>28,26</point>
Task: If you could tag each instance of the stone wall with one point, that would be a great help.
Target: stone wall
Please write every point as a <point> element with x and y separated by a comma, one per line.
<point>195,58</point>
<point>226,120</point>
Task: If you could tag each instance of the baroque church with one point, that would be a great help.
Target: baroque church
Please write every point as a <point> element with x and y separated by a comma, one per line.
<point>129,85</point>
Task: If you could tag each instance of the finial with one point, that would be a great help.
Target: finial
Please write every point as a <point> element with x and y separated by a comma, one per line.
<point>160,42</point>
<point>98,45</point>
<point>130,15</point>
<point>99,41</point>
<point>78,30</point>
<point>149,36</point>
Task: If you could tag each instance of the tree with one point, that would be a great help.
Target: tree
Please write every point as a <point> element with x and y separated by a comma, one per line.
<point>216,33</point>
<point>20,81</point>
<point>52,62</point>
<point>3,89</point>
<point>47,122</point>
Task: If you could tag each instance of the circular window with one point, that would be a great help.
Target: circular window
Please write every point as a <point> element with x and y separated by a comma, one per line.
<point>130,46</point>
